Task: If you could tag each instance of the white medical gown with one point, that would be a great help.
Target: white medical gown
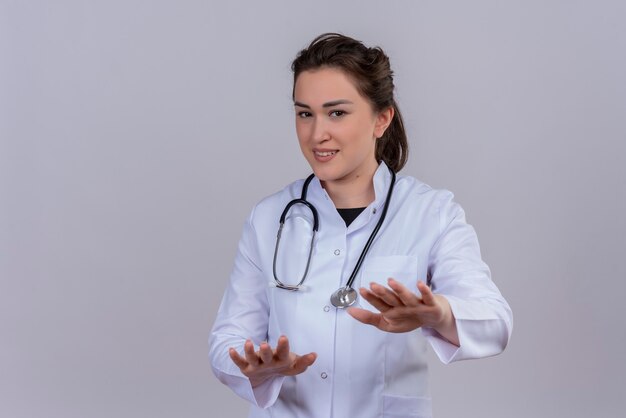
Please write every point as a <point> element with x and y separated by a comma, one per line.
<point>360,370</point>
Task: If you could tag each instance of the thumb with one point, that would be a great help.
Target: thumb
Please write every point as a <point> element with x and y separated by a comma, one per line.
<point>427,295</point>
<point>303,362</point>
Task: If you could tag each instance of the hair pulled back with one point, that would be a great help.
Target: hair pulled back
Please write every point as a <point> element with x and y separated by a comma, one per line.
<point>370,70</point>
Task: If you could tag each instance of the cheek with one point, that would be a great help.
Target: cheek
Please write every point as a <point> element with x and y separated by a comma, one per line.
<point>360,135</point>
<point>360,129</point>
<point>301,132</point>
<point>302,139</point>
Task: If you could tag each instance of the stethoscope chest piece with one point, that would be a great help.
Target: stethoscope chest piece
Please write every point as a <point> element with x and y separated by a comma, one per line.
<point>343,297</point>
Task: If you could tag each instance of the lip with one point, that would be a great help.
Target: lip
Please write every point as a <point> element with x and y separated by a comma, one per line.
<point>329,154</point>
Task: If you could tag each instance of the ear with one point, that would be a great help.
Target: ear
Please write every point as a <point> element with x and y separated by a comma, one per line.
<point>383,120</point>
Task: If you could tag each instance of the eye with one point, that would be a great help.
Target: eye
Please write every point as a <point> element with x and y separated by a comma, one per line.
<point>337,113</point>
<point>304,114</point>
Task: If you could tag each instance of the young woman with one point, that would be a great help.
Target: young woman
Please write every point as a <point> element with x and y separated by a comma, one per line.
<point>292,335</point>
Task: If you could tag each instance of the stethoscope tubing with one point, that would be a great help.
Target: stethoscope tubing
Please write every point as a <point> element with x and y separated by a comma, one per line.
<point>302,200</point>
<point>316,223</point>
<point>370,240</point>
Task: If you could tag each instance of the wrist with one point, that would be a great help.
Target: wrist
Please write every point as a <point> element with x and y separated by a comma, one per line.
<point>447,326</point>
<point>446,317</point>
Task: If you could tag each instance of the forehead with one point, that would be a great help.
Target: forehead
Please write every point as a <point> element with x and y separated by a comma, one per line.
<point>324,85</point>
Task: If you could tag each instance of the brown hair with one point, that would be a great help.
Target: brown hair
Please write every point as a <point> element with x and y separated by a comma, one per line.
<point>370,70</point>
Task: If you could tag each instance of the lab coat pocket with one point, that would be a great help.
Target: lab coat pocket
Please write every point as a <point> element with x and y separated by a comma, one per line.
<point>403,268</point>
<point>406,407</point>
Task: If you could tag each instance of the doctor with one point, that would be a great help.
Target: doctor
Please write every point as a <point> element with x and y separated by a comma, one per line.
<point>420,282</point>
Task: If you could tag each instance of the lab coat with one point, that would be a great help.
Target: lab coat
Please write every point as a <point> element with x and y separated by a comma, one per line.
<point>360,370</point>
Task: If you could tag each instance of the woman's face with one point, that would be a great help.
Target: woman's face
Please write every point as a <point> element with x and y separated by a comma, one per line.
<point>336,126</point>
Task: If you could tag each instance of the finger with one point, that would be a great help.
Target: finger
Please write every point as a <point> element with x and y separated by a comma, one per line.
<point>303,362</point>
<point>374,300</point>
<point>427,295</point>
<point>265,353</point>
<point>248,349</point>
<point>282,348</point>
<point>237,359</point>
<point>407,297</point>
<point>365,316</point>
<point>388,296</point>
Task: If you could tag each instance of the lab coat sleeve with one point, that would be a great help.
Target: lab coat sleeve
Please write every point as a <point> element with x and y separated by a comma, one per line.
<point>243,314</point>
<point>484,319</point>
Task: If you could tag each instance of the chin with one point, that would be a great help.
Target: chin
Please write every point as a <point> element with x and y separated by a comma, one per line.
<point>327,173</point>
<point>321,171</point>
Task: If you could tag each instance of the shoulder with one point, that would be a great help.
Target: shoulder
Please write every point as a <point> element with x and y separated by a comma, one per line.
<point>413,191</point>
<point>435,207</point>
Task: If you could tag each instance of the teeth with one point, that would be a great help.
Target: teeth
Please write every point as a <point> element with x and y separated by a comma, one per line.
<point>325,154</point>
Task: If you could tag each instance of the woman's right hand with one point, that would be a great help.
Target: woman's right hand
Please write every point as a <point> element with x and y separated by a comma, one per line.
<point>266,363</point>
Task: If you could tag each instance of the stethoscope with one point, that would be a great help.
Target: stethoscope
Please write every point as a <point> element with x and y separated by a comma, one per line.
<point>344,296</point>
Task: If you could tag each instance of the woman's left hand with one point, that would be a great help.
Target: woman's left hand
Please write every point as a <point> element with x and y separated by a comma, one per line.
<point>402,310</point>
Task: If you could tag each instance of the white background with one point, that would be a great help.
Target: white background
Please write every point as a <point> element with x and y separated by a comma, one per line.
<point>135,136</point>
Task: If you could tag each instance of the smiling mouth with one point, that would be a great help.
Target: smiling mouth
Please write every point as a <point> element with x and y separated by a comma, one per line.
<point>325,153</point>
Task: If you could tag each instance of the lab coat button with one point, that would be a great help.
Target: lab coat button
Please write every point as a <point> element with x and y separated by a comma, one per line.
<point>337,252</point>
<point>324,375</point>
<point>326,308</point>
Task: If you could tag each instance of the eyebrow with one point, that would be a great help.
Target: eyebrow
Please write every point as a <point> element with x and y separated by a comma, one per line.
<point>327,104</point>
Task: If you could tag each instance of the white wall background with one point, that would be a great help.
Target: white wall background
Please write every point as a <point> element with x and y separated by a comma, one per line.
<point>136,135</point>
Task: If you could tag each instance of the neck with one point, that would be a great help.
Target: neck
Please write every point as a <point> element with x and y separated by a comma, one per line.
<point>354,192</point>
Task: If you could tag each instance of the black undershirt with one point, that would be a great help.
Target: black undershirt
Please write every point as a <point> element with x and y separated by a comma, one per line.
<point>350,214</point>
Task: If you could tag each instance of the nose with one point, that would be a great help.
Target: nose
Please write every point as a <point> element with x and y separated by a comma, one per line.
<point>320,130</point>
